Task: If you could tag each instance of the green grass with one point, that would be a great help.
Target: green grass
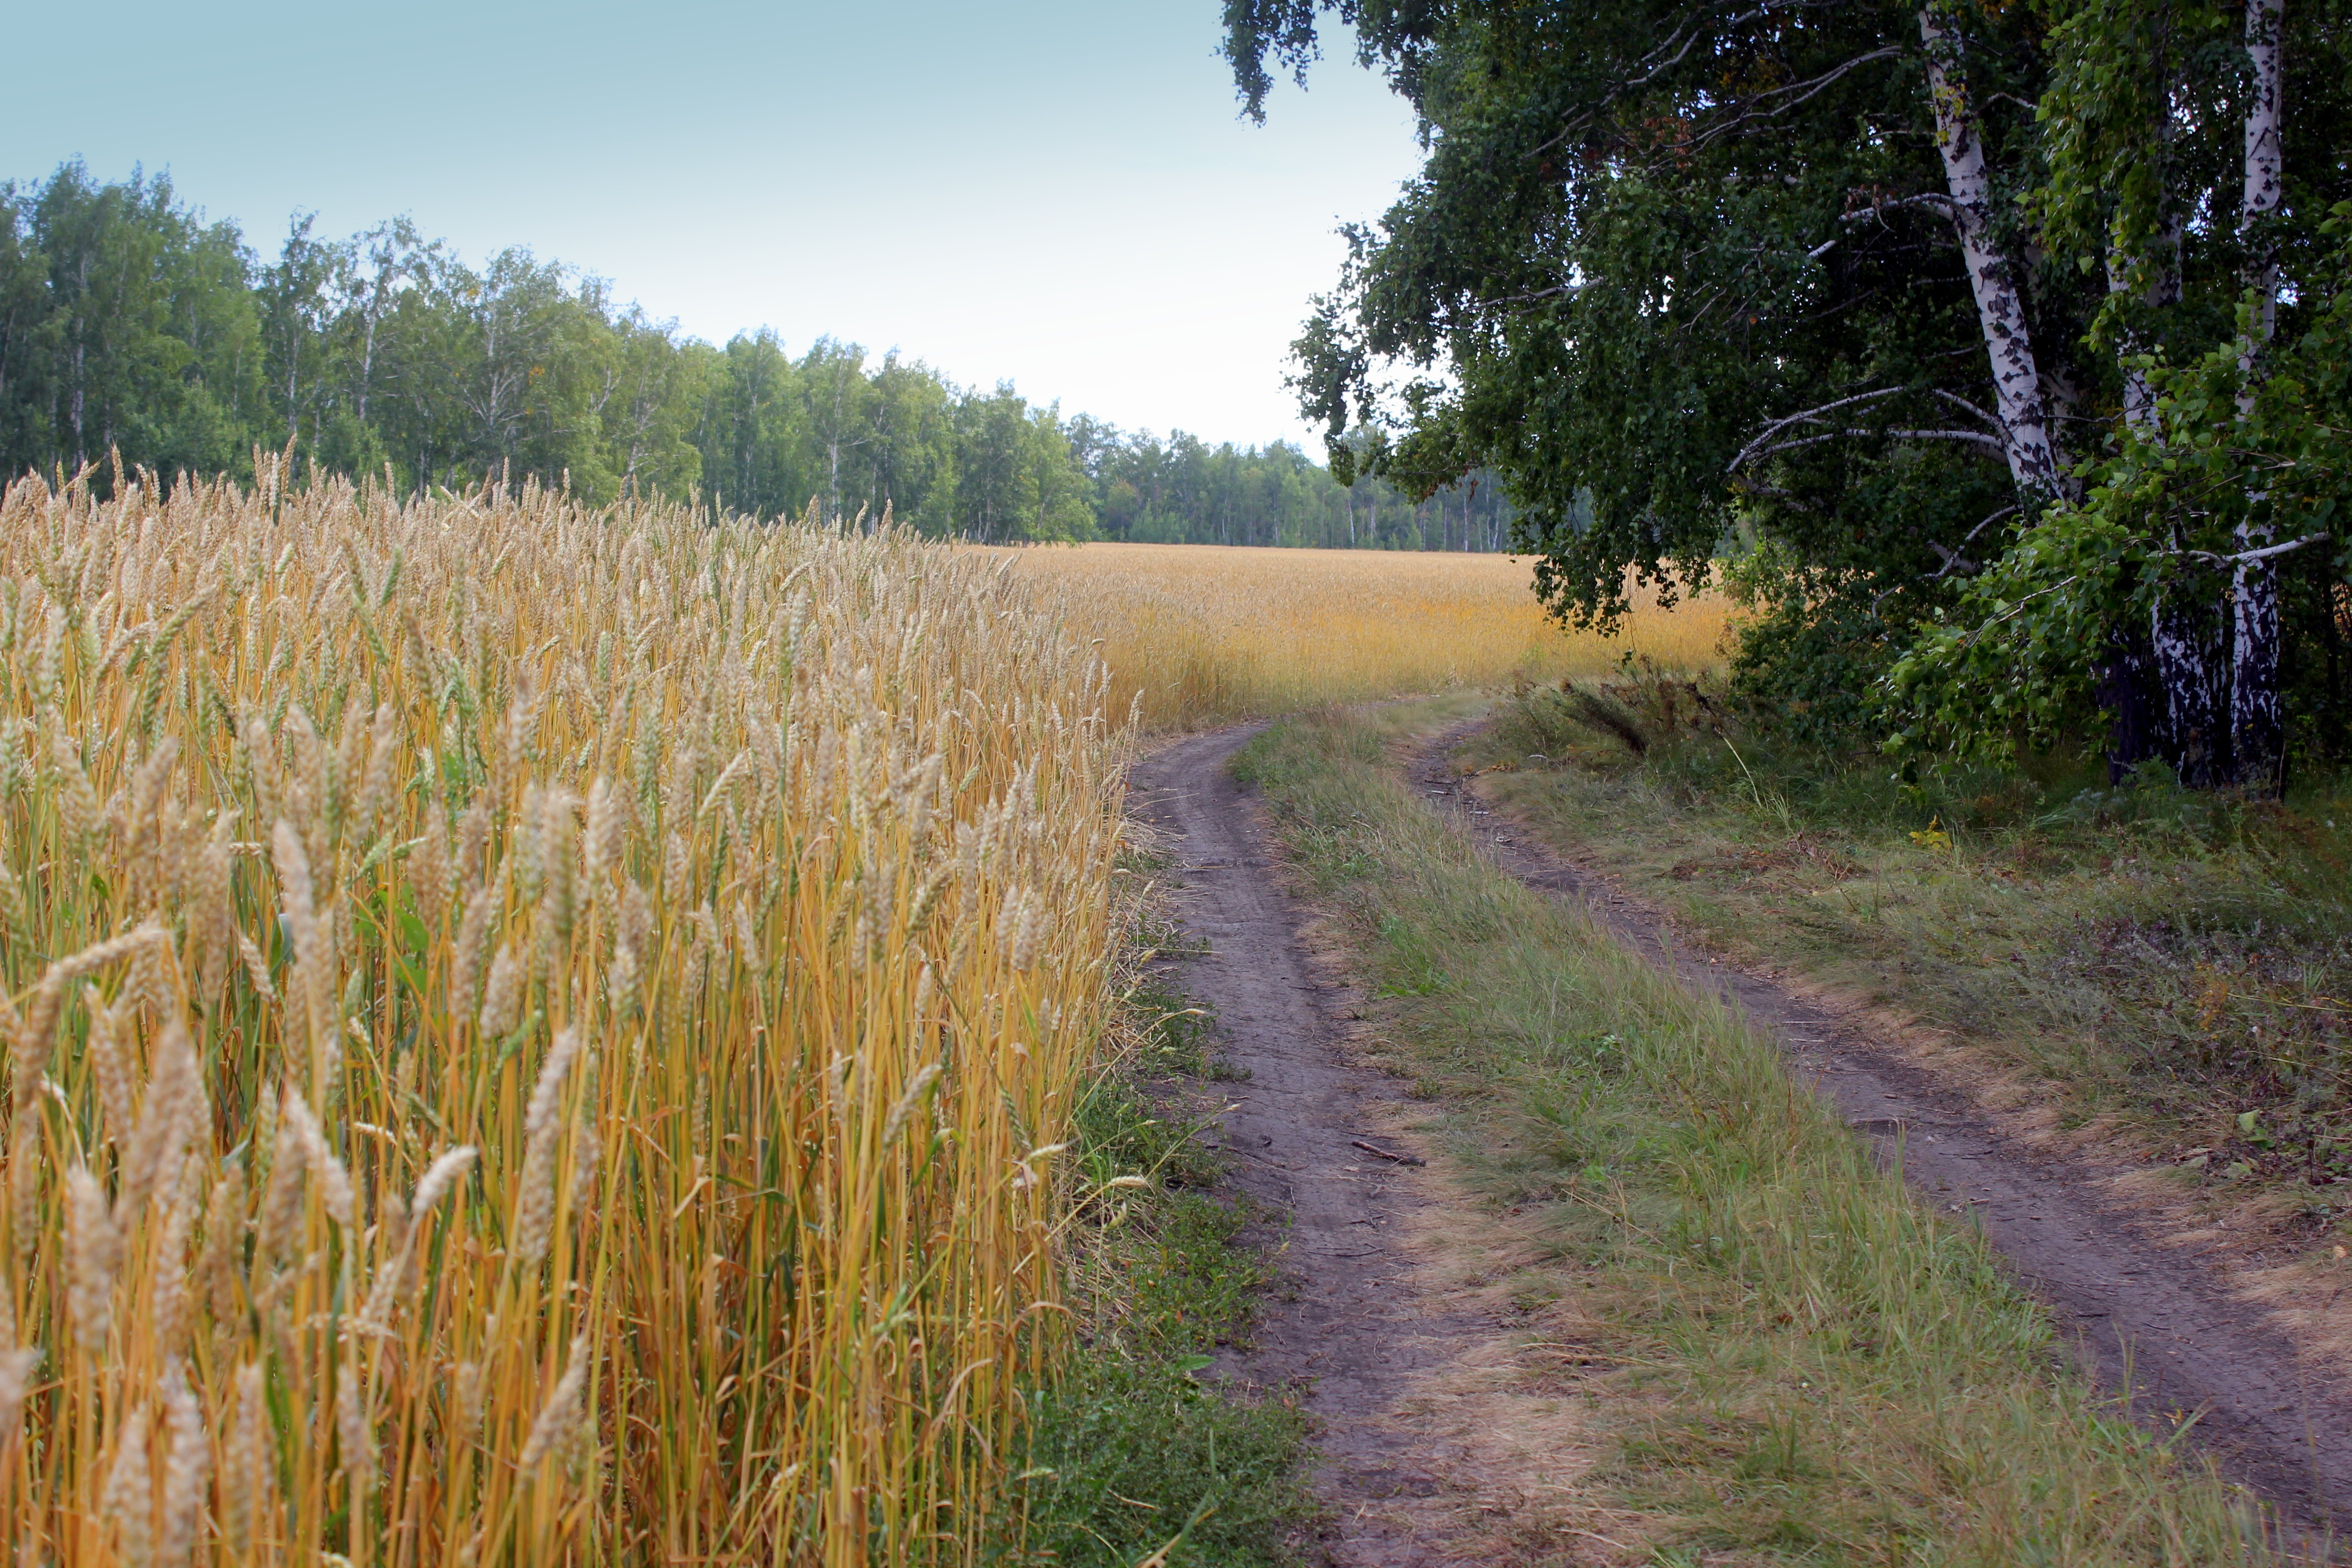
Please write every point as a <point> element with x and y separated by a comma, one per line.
<point>1130,1446</point>
<point>2167,960</point>
<point>1130,1450</point>
<point>1813,1370</point>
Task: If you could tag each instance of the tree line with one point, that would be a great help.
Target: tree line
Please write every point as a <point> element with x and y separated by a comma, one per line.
<point>1185,492</point>
<point>130,326</point>
<point>2005,346</point>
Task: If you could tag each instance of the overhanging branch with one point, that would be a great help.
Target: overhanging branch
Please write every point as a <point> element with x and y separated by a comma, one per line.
<point>2266,553</point>
<point>1803,417</point>
<point>1954,561</point>
<point>1933,201</point>
<point>1971,437</point>
<point>1959,402</point>
<point>1753,109</point>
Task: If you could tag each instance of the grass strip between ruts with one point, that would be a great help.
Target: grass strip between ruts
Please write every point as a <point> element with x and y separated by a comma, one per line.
<point>1811,1368</point>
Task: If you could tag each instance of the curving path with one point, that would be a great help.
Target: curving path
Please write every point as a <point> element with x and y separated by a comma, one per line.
<point>2155,1315</point>
<point>1403,1368</point>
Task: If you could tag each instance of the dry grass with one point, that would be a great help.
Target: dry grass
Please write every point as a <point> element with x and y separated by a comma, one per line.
<point>1203,634</point>
<point>536,1033</point>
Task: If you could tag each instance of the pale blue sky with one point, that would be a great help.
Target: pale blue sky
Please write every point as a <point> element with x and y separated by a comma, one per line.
<point>1054,191</point>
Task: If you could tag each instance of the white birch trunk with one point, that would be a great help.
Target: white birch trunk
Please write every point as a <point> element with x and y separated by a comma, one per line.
<point>2160,287</point>
<point>2257,725</point>
<point>2188,644</point>
<point>2263,163</point>
<point>2182,654</point>
<point>2138,672</point>
<point>2033,459</point>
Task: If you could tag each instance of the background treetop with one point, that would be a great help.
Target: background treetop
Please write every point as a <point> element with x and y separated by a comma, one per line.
<point>130,325</point>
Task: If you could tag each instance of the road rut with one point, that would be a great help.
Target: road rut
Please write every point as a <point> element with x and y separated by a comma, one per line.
<point>2152,1318</point>
<point>1389,1358</point>
<point>1408,1375</point>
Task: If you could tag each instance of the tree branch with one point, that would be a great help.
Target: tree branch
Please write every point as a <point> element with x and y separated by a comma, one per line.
<point>2017,610</point>
<point>1971,535</point>
<point>1653,67</point>
<point>1802,416</point>
<point>1957,401</point>
<point>1532,297</point>
<point>1933,201</point>
<point>1955,561</point>
<point>1807,91</point>
<point>2262,555</point>
<point>1974,438</point>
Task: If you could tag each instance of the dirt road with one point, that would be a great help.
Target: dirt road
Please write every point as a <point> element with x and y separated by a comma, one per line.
<point>1408,1373</point>
<point>2155,1314</point>
<point>1425,1430</point>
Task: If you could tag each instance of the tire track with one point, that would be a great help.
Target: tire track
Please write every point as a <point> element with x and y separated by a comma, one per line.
<point>2156,1322</point>
<point>1362,1333</point>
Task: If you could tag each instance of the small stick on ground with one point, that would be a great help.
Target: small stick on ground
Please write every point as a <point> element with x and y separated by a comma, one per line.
<point>1399,1158</point>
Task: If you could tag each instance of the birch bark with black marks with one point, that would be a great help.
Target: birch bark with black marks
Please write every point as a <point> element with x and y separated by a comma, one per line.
<point>2176,657</point>
<point>2257,723</point>
<point>2127,692</point>
<point>2191,646</point>
<point>2034,461</point>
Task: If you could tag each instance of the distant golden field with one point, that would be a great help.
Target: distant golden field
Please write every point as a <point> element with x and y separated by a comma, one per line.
<point>1203,633</point>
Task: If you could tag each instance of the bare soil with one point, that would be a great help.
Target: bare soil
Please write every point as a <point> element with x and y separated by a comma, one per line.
<point>1441,1435</point>
<point>2157,1321</point>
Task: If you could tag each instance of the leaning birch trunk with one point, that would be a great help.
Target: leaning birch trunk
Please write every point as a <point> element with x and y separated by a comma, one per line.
<point>2257,724</point>
<point>2035,462</point>
<point>2033,459</point>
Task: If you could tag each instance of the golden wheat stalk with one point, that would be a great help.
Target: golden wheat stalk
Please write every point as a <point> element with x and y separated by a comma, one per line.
<point>762,868</point>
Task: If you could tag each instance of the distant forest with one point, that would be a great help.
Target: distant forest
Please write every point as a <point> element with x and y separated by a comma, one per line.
<point>130,324</point>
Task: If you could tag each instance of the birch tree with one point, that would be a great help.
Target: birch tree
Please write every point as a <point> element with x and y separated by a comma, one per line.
<point>2257,724</point>
<point>1678,272</point>
<point>2214,520</point>
<point>2035,462</point>
<point>1916,300</point>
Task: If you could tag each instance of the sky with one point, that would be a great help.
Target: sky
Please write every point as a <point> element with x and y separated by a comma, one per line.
<point>1053,193</point>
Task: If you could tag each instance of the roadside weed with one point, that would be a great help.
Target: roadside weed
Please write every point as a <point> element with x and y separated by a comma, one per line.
<point>2159,961</point>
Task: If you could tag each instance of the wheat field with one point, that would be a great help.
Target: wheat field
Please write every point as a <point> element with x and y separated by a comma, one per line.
<point>541,1034</point>
<point>1198,633</point>
<point>535,1033</point>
